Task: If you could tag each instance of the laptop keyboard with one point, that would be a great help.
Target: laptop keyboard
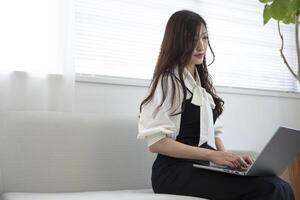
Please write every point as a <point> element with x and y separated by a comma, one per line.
<point>226,167</point>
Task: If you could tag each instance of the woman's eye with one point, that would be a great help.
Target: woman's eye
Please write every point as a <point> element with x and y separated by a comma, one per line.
<point>205,37</point>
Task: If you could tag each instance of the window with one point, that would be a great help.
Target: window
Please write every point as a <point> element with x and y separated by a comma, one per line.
<point>122,38</point>
<point>31,36</point>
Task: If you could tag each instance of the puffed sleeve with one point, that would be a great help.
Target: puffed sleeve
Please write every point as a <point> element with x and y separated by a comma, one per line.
<point>156,126</point>
<point>218,127</point>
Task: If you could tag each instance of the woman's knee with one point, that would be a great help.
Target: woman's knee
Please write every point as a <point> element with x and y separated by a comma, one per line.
<point>275,187</point>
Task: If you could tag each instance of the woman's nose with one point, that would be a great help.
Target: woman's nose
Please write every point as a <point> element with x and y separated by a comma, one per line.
<point>200,45</point>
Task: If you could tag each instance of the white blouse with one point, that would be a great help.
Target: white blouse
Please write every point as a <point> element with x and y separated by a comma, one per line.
<point>156,126</point>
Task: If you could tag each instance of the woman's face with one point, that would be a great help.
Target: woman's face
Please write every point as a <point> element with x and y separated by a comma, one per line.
<point>200,48</point>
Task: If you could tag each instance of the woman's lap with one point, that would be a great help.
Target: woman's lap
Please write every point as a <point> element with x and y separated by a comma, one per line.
<point>183,179</point>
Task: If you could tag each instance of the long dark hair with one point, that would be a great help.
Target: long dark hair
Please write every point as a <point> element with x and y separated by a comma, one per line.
<point>176,50</point>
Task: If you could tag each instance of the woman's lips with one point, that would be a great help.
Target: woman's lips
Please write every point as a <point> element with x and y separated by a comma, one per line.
<point>199,55</point>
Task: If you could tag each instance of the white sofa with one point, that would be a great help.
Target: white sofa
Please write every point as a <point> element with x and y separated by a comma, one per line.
<point>74,156</point>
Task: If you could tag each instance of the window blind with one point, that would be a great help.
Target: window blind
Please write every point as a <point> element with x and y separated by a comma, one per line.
<point>122,38</point>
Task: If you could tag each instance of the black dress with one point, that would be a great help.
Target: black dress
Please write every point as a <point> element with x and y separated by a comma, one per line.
<point>177,176</point>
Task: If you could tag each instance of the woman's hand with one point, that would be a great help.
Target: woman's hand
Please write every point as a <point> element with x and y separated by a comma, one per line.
<point>231,160</point>
<point>249,159</point>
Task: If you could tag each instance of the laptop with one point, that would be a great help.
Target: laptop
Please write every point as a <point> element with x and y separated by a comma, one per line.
<point>272,160</point>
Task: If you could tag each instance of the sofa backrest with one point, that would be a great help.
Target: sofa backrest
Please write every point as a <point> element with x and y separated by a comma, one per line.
<point>71,152</point>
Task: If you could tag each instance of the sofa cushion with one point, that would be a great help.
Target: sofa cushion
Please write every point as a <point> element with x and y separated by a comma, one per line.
<point>145,194</point>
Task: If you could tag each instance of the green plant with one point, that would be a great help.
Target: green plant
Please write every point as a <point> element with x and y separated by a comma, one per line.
<point>286,11</point>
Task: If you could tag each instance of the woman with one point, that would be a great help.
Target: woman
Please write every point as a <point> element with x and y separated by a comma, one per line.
<point>180,121</point>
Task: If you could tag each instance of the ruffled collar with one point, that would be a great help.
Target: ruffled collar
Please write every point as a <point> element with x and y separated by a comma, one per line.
<point>203,99</point>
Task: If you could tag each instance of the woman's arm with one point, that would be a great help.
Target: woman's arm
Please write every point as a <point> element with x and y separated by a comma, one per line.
<point>220,147</point>
<point>173,148</point>
<point>219,144</point>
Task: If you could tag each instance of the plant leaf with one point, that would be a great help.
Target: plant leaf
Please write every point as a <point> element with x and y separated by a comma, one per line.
<point>289,18</point>
<point>294,5</point>
<point>279,9</point>
<point>267,13</point>
<point>265,1</point>
<point>293,8</point>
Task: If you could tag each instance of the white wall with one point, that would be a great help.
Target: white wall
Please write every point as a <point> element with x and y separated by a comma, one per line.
<point>249,120</point>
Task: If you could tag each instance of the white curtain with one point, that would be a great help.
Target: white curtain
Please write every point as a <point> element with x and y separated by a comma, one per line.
<point>36,65</point>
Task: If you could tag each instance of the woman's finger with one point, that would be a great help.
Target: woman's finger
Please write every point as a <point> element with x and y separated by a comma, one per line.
<point>242,162</point>
<point>230,164</point>
<point>249,160</point>
<point>252,158</point>
<point>235,163</point>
